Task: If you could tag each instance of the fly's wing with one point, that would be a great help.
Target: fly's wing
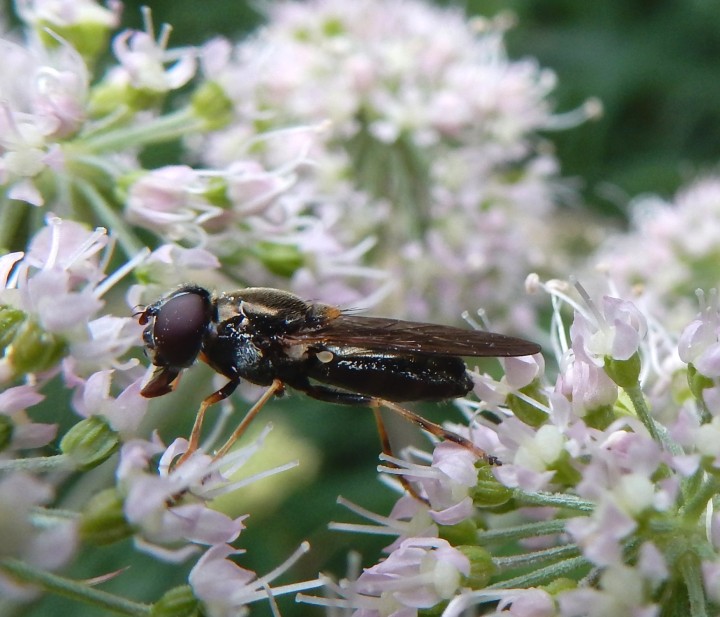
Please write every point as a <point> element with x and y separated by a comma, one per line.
<point>380,334</point>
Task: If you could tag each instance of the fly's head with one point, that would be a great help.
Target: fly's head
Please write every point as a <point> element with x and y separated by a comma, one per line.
<point>176,328</point>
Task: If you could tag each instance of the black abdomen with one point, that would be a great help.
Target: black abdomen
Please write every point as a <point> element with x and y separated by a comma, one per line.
<point>393,377</point>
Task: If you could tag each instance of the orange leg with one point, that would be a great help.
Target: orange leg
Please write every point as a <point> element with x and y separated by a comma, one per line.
<point>275,388</point>
<point>437,430</point>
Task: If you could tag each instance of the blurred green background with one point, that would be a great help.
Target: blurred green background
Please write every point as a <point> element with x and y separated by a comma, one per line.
<point>655,66</point>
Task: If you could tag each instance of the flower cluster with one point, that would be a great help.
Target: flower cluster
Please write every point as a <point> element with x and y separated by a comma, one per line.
<point>432,149</point>
<point>674,248</point>
<point>343,145</point>
<point>604,500</point>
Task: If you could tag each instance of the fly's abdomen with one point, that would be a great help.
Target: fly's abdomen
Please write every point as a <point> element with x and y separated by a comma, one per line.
<point>392,377</point>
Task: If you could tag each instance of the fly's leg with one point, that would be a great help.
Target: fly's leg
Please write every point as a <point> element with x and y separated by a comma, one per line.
<point>387,450</point>
<point>275,388</point>
<point>437,430</point>
<point>215,397</point>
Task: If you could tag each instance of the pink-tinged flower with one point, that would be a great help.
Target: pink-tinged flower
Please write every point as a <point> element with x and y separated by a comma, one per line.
<point>614,332</point>
<point>531,602</point>
<point>583,384</point>
<point>58,285</point>
<point>40,545</point>
<point>666,252</point>
<point>446,483</point>
<point>169,503</point>
<point>168,507</point>
<point>142,60</point>
<point>67,13</point>
<point>25,433</point>
<point>171,201</point>
<point>418,574</point>
<point>426,115</point>
<point>123,412</point>
<point>225,589</point>
<point>621,591</point>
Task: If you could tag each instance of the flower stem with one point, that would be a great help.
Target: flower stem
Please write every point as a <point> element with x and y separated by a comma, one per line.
<point>12,212</point>
<point>637,399</point>
<point>543,575</point>
<point>700,498</point>
<point>36,464</point>
<point>690,568</point>
<point>529,530</point>
<point>72,589</point>
<point>162,129</point>
<point>557,500</point>
<point>115,223</point>
<point>554,554</point>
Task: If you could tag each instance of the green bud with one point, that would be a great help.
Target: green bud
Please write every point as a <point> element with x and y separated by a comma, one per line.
<point>488,492</point>
<point>90,442</point>
<point>625,373</point>
<point>10,321</point>
<point>565,473</point>
<point>103,521</point>
<point>89,38</point>
<point>527,412</point>
<point>281,259</point>
<point>177,602</point>
<point>482,567</point>
<point>463,533</point>
<point>7,428</point>
<point>106,98</point>
<point>600,417</point>
<point>698,382</point>
<point>210,103</point>
<point>216,193</point>
<point>559,585</point>
<point>34,350</point>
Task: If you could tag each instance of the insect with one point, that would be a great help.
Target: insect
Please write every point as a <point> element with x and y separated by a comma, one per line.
<point>274,338</point>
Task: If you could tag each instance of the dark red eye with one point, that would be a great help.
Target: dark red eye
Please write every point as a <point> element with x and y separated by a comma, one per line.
<point>179,327</point>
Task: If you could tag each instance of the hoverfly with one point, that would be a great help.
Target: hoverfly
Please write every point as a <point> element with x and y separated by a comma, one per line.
<point>274,338</point>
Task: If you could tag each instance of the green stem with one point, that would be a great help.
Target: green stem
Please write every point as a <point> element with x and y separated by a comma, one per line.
<point>557,500</point>
<point>700,498</point>
<point>38,464</point>
<point>162,129</point>
<point>110,218</point>
<point>536,558</point>
<point>69,588</point>
<point>637,399</point>
<point>690,568</point>
<point>12,212</point>
<point>543,575</point>
<point>529,530</point>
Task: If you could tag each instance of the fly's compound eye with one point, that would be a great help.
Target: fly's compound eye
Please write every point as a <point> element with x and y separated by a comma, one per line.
<point>176,334</point>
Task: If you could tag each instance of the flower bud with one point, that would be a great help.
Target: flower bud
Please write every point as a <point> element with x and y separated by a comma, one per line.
<point>103,520</point>
<point>90,442</point>
<point>625,373</point>
<point>488,492</point>
<point>464,532</point>
<point>482,567</point>
<point>698,382</point>
<point>10,321</point>
<point>280,259</point>
<point>177,602</point>
<point>210,103</point>
<point>525,411</point>
<point>34,350</point>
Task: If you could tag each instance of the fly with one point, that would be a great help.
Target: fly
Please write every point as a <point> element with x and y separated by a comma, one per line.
<point>274,338</point>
